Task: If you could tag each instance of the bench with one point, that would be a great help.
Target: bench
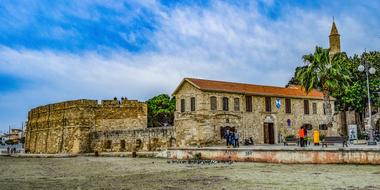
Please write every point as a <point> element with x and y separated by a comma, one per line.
<point>333,140</point>
<point>291,141</point>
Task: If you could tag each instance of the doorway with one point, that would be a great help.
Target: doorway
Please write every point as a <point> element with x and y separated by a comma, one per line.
<point>269,133</point>
<point>224,129</point>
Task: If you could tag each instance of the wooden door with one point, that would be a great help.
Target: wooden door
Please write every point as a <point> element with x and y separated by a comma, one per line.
<point>271,133</point>
<point>268,133</point>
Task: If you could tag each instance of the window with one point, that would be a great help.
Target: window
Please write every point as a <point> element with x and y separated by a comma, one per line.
<point>213,102</point>
<point>306,107</point>
<point>308,126</point>
<point>248,103</point>
<point>225,104</point>
<point>107,144</point>
<point>324,108</point>
<point>122,144</point>
<point>323,127</point>
<point>182,105</point>
<point>139,143</point>
<point>288,106</point>
<point>314,108</point>
<point>268,104</point>
<point>237,104</point>
<point>192,102</point>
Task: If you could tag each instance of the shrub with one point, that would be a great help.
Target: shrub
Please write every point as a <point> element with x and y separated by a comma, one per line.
<point>290,137</point>
<point>197,156</point>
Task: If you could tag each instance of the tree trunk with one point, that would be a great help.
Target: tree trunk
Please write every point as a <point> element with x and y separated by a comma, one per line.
<point>326,99</point>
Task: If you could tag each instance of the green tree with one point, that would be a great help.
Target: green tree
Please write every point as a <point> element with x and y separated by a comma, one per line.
<point>22,140</point>
<point>293,80</point>
<point>10,142</point>
<point>354,96</point>
<point>326,73</point>
<point>161,111</point>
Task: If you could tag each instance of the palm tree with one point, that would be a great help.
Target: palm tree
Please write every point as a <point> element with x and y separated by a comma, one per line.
<point>325,72</point>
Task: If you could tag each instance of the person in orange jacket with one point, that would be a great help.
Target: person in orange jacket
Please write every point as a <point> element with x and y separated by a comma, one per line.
<point>301,134</point>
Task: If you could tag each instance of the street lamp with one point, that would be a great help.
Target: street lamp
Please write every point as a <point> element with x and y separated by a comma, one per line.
<point>366,67</point>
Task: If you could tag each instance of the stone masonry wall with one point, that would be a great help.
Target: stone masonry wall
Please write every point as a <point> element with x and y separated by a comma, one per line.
<point>149,139</point>
<point>65,127</point>
<point>203,126</point>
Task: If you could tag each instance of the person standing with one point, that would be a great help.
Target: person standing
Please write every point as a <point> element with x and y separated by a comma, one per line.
<point>306,140</point>
<point>316,138</point>
<point>301,134</point>
<point>227,136</point>
<point>232,138</point>
<point>237,135</point>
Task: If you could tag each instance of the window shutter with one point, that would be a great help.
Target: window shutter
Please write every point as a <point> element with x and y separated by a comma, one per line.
<point>248,103</point>
<point>268,105</point>
<point>306,107</point>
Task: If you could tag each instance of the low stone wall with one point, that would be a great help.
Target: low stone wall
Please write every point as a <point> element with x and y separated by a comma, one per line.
<point>281,155</point>
<point>148,139</point>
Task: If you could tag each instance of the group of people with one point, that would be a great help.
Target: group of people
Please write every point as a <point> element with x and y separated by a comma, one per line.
<point>11,150</point>
<point>232,138</point>
<point>302,133</point>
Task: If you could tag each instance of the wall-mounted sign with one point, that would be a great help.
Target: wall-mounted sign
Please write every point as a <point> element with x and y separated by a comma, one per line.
<point>289,122</point>
<point>352,132</point>
<point>278,103</point>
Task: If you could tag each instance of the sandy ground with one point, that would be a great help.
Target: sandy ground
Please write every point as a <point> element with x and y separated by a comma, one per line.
<point>147,173</point>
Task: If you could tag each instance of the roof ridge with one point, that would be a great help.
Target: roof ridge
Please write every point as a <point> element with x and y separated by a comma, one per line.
<point>242,83</point>
<point>236,87</point>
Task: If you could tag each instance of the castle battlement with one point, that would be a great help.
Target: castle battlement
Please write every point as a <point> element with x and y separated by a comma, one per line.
<point>87,103</point>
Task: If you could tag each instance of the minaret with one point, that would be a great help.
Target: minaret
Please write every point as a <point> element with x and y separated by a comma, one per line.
<point>334,40</point>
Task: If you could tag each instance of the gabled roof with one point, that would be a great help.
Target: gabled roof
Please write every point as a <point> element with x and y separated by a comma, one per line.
<point>250,89</point>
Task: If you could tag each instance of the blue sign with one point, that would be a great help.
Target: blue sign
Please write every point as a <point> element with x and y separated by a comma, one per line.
<point>278,103</point>
<point>289,122</point>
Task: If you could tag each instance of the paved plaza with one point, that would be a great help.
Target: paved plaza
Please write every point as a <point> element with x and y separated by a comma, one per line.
<point>147,173</point>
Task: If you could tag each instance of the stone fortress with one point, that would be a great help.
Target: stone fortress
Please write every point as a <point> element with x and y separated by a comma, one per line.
<point>80,126</point>
<point>204,110</point>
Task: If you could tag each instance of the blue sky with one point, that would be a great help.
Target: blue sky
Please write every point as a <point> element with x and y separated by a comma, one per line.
<point>53,51</point>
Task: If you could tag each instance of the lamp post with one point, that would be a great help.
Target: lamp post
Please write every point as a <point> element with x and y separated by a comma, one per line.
<point>368,70</point>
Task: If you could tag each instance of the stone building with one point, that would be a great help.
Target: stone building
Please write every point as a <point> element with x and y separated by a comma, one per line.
<point>87,126</point>
<point>206,108</point>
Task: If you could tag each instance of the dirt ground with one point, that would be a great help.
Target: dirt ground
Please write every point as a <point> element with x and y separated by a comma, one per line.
<point>147,173</point>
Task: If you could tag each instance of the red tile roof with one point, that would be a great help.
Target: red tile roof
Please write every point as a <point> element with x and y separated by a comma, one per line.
<point>252,89</point>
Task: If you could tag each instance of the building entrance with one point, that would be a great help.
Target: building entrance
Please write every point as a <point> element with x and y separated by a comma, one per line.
<point>269,133</point>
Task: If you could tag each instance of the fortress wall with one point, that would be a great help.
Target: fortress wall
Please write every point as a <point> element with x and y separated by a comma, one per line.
<point>148,139</point>
<point>65,126</point>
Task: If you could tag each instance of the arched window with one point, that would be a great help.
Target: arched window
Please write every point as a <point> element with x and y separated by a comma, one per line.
<point>306,107</point>
<point>225,104</point>
<point>213,103</point>
<point>108,144</point>
<point>236,104</point>
<point>314,108</point>
<point>268,104</point>
<point>183,105</point>
<point>192,103</point>
<point>122,145</point>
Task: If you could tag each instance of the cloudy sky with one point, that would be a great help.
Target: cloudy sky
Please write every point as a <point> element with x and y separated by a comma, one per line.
<point>52,51</point>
